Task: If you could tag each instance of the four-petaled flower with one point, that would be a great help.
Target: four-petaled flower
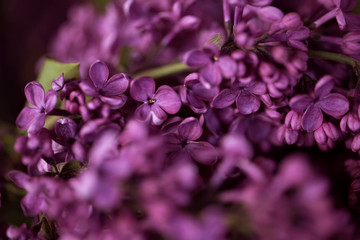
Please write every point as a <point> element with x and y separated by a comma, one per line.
<point>183,146</point>
<point>245,96</point>
<point>111,90</point>
<point>333,104</point>
<point>212,65</point>
<point>33,119</point>
<point>194,93</point>
<point>155,104</point>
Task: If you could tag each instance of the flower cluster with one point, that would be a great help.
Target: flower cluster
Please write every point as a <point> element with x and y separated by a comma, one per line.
<point>193,150</point>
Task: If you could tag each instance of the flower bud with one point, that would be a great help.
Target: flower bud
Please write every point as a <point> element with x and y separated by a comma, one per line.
<point>351,43</point>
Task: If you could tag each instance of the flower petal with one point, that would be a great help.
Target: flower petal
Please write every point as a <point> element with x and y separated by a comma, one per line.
<point>257,87</point>
<point>312,118</point>
<point>116,85</point>
<point>167,99</point>
<point>202,152</point>
<point>324,86</point>
<point>141,89</point>
<point>300,102</point>
<point>334,104</point>
<point>247,103</point>
<point>98,73</point>
<point>50,100</point>
<point>196,58</point>
<point>189,129</point>
<point>115,101</point>
<point>35,94</point>
<point>26,117</point>
<point>33,204</point>
<point>224,99</point>
<point>88,88</point>
<point>37,124</point>
<point>203,93</point>
<point>196,104</point>
<point>19,178</point>
<point>158,115</point>
<point>340,18</point>
<point>65,128</point>
<point>210,76</point>
<point>227,66</point>
<point>143,112</point>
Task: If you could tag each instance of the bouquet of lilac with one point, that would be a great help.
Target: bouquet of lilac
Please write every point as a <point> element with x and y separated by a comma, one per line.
<point>194,119</point>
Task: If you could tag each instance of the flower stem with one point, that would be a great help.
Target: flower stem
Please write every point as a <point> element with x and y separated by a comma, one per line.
<point>164,71</point>
<point>334,57</point>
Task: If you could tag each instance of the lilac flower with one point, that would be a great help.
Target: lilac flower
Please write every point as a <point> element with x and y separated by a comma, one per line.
<point>351,43</point>
<point>350,121</point>
<point>33,119</point>
<point>111,90</point>
<point>353,167</point>
<point>35,147</point>
<point>22,233</point>
<point>39,192</point>
<point>333,104</point>
<point>155,104</point>
<point>235,150</point>
<point>213,65</point>
<point>306,211</point>
<point>94,184</point>
<point>255,3</point>
<point>65,129</point>
<point>195,93</point>
<point>327,133</point>
<point>287,134</point>
<point>183,146</point>
<point>73,96</point>
<point>342,15</point>
<point>179,23</point>
<point>58,83</point>
<point>245,96</point>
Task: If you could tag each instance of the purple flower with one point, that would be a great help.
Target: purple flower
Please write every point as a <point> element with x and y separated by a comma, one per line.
<point>22,233</point>
<point>245,96</point>
<point>195,93</point>
<point>155,104</point>
<point>255,3</point>
<point>212,65</point>
<point>183,146</point>
<point>65,129</point>
<point>34,147</point>
<point>235,148</point>
<point>333,104</point>
<point>350,121</point>
<point>351,43</point>
<point>33,119</point>
<point>111,90</point>
<point>179,23</point>
<point>58,83</point>
<point>341,13</point>
<point>40,190</point>
<point>325,133</point>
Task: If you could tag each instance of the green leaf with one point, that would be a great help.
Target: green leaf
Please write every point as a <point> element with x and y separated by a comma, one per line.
<point>124,58</point>
<point>356,9</point>
<point>48,230</point>
<point>100,4</point>
<point>70,169</point>
<point>217,40</point>
<point>53,69</point>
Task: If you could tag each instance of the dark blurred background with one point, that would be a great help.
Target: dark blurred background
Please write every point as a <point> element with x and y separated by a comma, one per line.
<point>26,28</point>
